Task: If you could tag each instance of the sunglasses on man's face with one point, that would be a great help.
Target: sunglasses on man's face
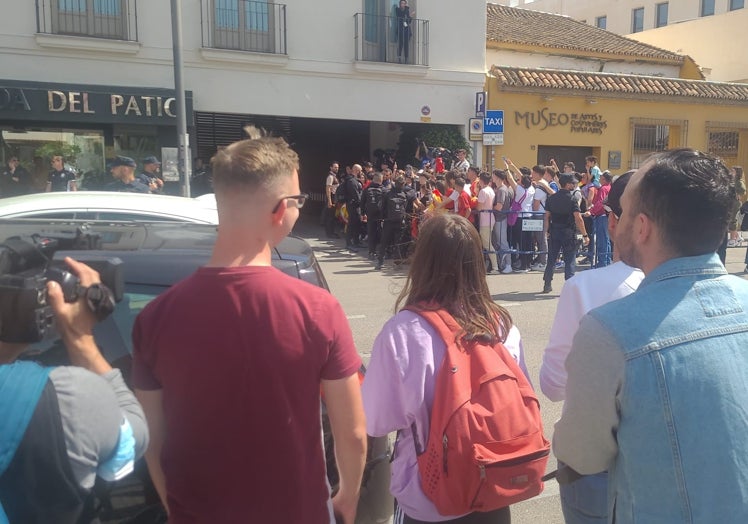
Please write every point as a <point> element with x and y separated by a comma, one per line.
<point>299,199</point>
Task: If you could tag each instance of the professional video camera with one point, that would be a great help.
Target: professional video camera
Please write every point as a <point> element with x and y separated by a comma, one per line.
<point>432,153</point>
<point>28,262</point>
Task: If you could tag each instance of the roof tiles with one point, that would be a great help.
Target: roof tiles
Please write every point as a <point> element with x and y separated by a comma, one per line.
<point>613,84</point>
<point>511,25</point>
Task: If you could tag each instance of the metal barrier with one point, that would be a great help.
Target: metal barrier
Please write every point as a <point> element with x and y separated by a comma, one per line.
<point>532,221</point>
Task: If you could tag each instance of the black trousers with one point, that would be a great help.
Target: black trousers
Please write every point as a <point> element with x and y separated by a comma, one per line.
<point>392,233</point>
<point>403,40</point>
<point>328,219</point>
<point>497,516</point>
<point>562,240</point>
<point>373,234</point>
<point>522,241</point>
<point>354,227</point>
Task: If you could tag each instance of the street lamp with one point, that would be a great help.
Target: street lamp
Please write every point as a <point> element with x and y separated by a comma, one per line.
<point>183,140</point>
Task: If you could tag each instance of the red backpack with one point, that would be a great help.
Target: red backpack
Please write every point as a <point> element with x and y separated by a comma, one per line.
<point>485,448</point>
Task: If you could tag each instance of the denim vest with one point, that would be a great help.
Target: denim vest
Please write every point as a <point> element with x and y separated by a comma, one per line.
<point>683,406</point>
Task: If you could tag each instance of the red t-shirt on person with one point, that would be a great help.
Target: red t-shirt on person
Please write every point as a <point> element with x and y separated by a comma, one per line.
<point>464,204</point>
<point>239,354</point>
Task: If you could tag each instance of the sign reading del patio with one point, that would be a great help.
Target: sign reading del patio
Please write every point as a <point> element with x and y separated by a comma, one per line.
<point>542,119</point>
<point>79,103</point>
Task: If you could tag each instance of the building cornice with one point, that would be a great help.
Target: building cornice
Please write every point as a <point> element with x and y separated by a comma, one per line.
<point>83,43</point>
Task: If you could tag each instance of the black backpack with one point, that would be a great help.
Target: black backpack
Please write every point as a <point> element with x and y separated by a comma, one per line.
<point>340,193</point>
<point>373,202</point>
<point>396,204</point>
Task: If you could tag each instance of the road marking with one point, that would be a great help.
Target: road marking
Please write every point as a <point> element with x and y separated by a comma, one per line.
<point>355,317</point>
<point>511,304</point>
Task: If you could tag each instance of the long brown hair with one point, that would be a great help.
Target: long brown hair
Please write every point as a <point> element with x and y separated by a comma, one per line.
<point>447,271</point>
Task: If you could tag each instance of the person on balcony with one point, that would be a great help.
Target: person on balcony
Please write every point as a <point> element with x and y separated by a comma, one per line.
<point>404,19</point>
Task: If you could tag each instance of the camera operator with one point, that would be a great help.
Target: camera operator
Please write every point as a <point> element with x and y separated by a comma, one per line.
<point>460,163</point>
<point>60,427</point>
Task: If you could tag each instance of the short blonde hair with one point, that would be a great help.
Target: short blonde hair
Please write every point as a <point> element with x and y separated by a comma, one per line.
<point>255,163</point>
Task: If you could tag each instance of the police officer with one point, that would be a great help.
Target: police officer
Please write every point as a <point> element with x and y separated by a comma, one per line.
<point>60,178</point>
<point>394,212</point>
<point>562,215</point>
<point>150,176</point>
<point>123,170</point>
<point>371,199</point>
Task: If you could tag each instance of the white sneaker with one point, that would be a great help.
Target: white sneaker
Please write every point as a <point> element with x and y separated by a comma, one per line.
<point>507,269</point>
<point>732,243</point>
<point>538,267</point>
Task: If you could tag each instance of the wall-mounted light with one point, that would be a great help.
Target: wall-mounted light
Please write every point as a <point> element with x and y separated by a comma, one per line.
<point>547,98</point>
<point>591,100</point>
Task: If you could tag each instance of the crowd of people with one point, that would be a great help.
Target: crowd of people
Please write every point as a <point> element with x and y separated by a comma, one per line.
<point>525,216</point>
<point>647,353</point>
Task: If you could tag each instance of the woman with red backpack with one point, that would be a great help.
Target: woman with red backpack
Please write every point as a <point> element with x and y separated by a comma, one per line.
<point>448,329</point>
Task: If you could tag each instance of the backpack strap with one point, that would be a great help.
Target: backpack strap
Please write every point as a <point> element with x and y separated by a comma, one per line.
<point>440,319</point>
<point>21,387</point>
<point>448,328</point>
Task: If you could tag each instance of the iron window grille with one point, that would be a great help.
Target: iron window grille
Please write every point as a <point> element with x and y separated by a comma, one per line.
<point>244,25</point>
<point>111,19</point>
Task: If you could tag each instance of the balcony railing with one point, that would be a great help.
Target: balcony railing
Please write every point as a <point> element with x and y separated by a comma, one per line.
<point>391,39</point>
<point>244,25</point>
<point>112,19</point>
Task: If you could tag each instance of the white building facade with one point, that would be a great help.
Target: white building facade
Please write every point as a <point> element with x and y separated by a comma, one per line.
<point>325,74</point>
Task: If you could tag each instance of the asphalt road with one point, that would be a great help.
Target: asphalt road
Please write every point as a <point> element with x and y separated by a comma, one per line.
<point>368,298</point>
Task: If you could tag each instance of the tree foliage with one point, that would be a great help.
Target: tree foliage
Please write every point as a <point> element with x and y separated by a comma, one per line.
<point>50,149</point>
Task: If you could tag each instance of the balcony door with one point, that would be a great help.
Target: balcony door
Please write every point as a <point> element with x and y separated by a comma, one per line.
<point>245,25</point>
<point>99,18</point>
<point>380,30</point>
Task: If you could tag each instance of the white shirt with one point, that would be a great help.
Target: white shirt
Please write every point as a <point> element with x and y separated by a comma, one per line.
<point>454,196</point>
<point>461,165</point>
<point>485,202</point>
<point>540,196</point>
<point>527,202</point>
<point>580,294</point>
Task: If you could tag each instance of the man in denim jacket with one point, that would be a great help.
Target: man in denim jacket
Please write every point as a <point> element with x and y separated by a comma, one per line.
<point>657,390</point>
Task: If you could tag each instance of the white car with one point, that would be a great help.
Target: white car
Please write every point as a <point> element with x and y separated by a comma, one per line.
<point>108,205</point>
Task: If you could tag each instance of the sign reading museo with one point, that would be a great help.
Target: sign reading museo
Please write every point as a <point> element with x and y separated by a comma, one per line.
<point>55,102</point>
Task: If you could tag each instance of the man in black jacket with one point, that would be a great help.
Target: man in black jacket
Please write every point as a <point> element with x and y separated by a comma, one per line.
<point>16,180</point>
<point>353,205</point>
<point>372,198</point>
<point>562,217</point>
<point>394,205</point>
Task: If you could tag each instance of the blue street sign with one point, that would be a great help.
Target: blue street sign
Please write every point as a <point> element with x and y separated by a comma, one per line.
<point>480,103</point>
<point>493,122</point>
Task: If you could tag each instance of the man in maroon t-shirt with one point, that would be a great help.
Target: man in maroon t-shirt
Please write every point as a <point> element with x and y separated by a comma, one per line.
<point>229,362</point>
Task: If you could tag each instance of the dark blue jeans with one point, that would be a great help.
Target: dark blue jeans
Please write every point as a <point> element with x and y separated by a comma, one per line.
<point>602,241</point>
<point>562,240</point>
<point>585,501</point>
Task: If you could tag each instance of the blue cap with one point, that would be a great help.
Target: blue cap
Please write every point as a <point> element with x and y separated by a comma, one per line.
<point>151,160</point>
<point>122,161</point>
